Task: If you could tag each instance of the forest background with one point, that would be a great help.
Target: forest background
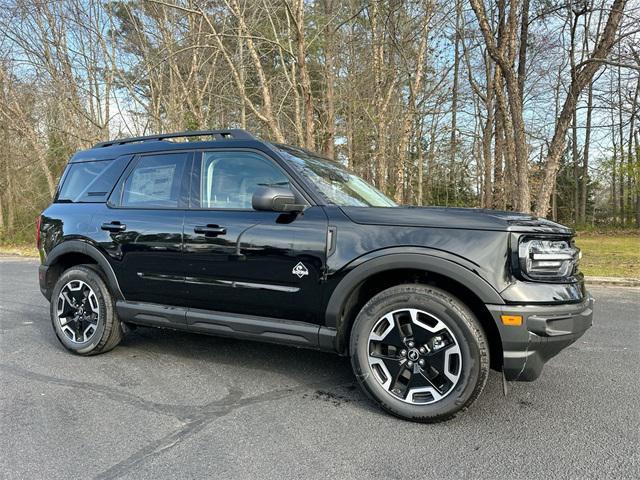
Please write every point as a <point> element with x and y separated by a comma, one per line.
<point>527,105</point>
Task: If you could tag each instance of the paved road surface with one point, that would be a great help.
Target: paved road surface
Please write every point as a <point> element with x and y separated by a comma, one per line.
<point>175,405</point>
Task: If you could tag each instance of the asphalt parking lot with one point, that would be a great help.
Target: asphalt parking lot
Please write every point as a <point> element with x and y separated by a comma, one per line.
<point>176,405</point>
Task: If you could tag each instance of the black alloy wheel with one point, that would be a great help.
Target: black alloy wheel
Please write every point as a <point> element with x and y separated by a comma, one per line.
<point>83,312</point>
<point>78,311</point>
<point>419,353</point>
<point>414,356</point>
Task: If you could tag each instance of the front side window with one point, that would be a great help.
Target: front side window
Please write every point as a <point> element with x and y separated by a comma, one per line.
<point>229,179</point>
<point>338,185</point>
<point>155,181</point>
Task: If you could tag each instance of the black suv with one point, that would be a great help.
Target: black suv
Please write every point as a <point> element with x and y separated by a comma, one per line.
<point>241,237</point>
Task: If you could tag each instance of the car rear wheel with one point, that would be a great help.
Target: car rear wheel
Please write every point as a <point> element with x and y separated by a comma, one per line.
<point>419,353</point>
<point>83,312</point>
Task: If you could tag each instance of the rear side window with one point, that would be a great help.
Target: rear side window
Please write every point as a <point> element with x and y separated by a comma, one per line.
<point>91,182</point>
<point>155,181</point>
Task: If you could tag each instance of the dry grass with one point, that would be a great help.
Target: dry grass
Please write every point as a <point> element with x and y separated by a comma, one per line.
<point>19,250</point>
<point>610,255</point>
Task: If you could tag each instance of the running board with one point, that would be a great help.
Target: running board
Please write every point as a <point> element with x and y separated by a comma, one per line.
<point>247,327</point>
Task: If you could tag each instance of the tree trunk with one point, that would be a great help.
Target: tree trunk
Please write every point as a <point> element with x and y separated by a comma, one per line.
<point>266,113</point>
<point>408,120</point>
<point>11,210</point>
<point>243,105</point>
<point>454,93</point>
<point>431,160</point>
<point>305,81</point>
<point>584,183</point>
<point>637,155</point>
<point>554,204</point>
<point>378,57</point>
<point>499,197</point>
<point>523,196</point>
<point>503,53</point>
<point>630,155</point>
<point>522,54</point>
<point>583,77</point>
<point>2,228</point>
<point>614,186</point>
<point>419,199</point>
<point>621,172</point>
<point>576,177</point>
<point>510,184</point>
<point>329,75</point>
<point>487,135</point>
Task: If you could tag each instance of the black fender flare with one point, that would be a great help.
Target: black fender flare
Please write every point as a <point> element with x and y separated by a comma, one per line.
<point>428,261</point>
<point>86,248</point>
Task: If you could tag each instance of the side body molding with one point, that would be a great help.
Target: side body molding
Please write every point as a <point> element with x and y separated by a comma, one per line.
<point>86,248</point>
<point>427,262</point>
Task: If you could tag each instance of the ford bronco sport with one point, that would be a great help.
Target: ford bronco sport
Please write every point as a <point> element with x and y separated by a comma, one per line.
<point>240,237</point>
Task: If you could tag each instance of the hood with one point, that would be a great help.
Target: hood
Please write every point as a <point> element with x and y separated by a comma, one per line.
<point>461,218</point>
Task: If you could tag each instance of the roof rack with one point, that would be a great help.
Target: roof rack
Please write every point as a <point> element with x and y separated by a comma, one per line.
<point>233,133</point>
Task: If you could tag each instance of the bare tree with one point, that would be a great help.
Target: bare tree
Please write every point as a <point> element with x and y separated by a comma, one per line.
<point>427,100</point>
<point>581,76</point>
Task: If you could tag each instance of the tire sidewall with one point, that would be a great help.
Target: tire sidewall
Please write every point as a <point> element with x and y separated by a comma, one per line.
<point>104,303</point>
<point>455,316</point>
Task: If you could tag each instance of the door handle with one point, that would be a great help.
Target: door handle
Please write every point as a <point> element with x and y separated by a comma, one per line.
<point>114,226</point>
<point>210,230</point>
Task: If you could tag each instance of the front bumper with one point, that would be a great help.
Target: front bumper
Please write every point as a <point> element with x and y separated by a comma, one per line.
<point>545,331</point>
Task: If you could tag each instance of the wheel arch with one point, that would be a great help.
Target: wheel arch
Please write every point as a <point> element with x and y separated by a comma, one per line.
<point>380,273</point>
<point>76,252</point>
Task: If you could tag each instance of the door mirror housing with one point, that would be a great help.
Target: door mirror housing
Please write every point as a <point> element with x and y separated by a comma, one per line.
<point>275,199</point>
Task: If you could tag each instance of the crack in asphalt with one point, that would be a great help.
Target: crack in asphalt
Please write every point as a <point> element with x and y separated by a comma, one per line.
<point>181,412</point>
<point>10,310</point>
<point>13,302</point>
<point>195,418</point>
<point>210,414</point>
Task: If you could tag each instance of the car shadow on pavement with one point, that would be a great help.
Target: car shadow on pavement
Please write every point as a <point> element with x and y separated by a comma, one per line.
<point>239,364</point>
<point>328,376</point>
<point>259,359</point>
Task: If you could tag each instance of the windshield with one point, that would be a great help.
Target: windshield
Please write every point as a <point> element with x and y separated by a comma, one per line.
<point>335,183</point>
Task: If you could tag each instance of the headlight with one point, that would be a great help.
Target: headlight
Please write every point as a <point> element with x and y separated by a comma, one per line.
<point>548,259</point>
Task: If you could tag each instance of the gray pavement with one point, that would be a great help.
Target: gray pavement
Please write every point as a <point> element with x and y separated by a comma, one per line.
<point>176,405</point>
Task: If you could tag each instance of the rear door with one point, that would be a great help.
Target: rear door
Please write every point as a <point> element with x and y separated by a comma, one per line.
<point>244,261</point>
<point>141,227</point>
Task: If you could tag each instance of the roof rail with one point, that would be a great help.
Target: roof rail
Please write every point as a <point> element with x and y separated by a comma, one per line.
<point>233,133</point>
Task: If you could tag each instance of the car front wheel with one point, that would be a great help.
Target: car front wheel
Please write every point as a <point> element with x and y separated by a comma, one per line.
<point>419,352</point>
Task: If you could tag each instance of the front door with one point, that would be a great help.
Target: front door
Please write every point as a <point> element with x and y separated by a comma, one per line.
<point>141,228</point>
<point>244,261</point>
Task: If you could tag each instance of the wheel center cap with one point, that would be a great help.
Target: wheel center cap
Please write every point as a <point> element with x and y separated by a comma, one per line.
<point>413,354</point>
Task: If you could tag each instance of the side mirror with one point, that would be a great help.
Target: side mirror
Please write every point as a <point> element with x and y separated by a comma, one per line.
<point>275,199</point>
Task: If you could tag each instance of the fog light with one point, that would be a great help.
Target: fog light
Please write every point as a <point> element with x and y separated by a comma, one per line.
<point>511,320</point>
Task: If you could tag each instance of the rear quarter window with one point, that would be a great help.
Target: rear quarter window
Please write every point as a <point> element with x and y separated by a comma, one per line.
<point>90,182</point>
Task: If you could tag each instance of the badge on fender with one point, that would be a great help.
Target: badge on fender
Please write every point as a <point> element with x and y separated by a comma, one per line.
<point>300,270</point>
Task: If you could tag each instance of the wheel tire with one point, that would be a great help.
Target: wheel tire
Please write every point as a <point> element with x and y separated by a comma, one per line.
<point>459,321</point>
<point>108,331</point>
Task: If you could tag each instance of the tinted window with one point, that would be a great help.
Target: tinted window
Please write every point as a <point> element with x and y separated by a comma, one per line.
<point>336,184</point>
<point>155,181</point>
<point>80,179</point>
<point>229,179</point>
